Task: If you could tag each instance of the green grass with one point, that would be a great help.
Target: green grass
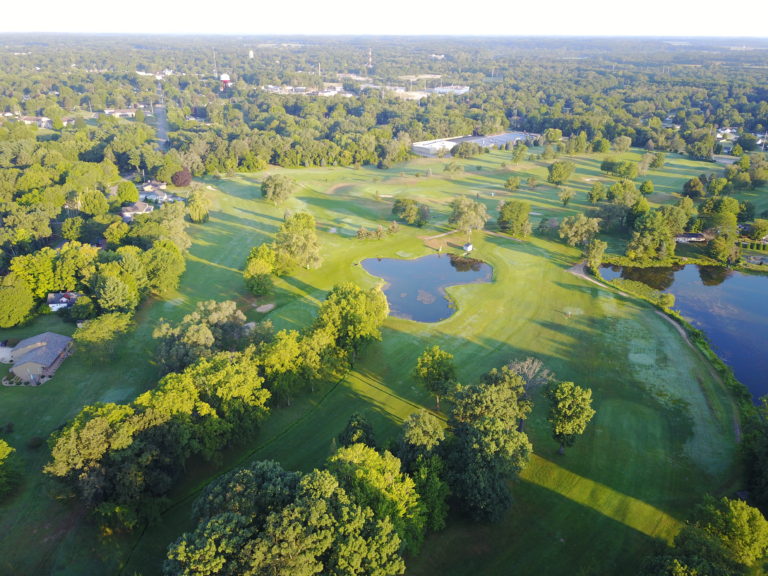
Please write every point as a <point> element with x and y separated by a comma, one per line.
<point>664,432</point>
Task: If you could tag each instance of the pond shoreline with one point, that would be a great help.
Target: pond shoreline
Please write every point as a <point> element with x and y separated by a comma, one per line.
<point>720,305</point>
<point>416,288</point>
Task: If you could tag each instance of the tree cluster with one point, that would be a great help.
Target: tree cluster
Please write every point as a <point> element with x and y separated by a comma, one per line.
<point>343,520</point>
<point>410,211</point>
<point>724,537</point>
<point>122,459</point>
<point>295,245</point>
<point>212,327</point>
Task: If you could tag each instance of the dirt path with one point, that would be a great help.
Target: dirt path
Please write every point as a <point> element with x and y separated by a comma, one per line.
<point>578,270</point>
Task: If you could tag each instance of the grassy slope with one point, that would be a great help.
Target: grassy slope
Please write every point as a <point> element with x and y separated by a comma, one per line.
<point>662,435</point>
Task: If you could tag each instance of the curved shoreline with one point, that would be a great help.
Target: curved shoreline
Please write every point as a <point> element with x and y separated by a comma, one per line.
<point>579,270</point>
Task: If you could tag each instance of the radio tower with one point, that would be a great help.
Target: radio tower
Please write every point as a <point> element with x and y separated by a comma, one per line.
<point>370,58</point>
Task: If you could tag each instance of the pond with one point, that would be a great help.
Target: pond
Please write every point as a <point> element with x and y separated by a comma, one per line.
<point>730,307</point>
<point>415,289</point>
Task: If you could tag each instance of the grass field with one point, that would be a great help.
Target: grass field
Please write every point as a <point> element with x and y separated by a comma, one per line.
<point>665,428</point>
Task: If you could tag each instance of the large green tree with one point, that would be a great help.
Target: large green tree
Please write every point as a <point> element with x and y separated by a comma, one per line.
<point>513,218</point>
<point>97,337</point>
<point>578,230</point>
<point>467,215</point>
<point>487,447</point>
<point>277,188</point>
<point>436,371</point>
<point>259,267</point>
<point>724,537</point>
<point>164,264</point>
<point>7,475</point>
<point>376,480</point>
<point>211,327</point>
<point>296,243</point>
<point>352,316</point>
<point>357,430</point>
<point>594,252</point>
<point>560,171</point>
<point>570,410</point>
<point>198,206</point>
<point>410,211</point>
<point>652,238</point>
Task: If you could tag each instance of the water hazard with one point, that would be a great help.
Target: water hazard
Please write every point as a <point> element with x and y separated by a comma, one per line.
<point>730,307</point>
<point>415,289</point>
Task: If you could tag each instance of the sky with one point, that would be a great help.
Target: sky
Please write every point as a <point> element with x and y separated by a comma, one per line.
<point>391,17</point>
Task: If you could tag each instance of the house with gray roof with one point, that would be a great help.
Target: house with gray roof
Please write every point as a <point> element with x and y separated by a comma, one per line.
<point>37,358</point>
<point>128,212</point>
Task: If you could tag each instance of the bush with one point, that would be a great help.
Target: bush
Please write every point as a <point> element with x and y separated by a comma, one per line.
<point>182,178</point>
<point>35,442</point>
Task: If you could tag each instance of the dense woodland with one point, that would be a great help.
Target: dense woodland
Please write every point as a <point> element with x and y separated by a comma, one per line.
<point>62,188</point>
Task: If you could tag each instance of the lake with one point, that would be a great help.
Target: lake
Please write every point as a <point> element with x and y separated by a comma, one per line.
<point>415,289</point>
<point>730,307</point>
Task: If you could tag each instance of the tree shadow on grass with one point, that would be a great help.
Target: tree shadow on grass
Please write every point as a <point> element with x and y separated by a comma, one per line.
<point>239,190</point>
<point>355,207</point>
<point>585,288</point>
<point>249,226</point>
<point>538,249</point>
<point>543,533</point>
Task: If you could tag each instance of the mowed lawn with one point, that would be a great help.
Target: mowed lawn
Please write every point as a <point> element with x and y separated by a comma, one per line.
<point>664,433</point>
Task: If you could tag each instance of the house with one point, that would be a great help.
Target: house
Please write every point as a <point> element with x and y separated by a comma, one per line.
<point>37,358</point>
<point>153,185</point>
<point>468,247</point>
<point>154,191</point>
<point>128,212</point>
<point>58,300</point>
<point>39,121</point>
<point>690,237</point>
<point>158,196</point>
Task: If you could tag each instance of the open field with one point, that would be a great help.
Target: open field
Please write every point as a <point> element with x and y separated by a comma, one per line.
<point>664,433</point>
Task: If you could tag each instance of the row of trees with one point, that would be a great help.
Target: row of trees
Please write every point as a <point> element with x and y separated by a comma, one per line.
<point>120,460</point>
<point>367,508</point>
